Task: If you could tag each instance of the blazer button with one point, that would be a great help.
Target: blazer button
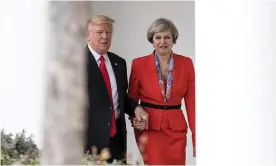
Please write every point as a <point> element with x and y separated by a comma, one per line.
<point>110,108</point>
<point>108,124</point>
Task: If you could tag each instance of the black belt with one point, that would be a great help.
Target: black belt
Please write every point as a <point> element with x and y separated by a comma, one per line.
<point>162,107</point>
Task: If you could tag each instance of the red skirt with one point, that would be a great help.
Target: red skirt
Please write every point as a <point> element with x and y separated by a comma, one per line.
<point>164,146</point>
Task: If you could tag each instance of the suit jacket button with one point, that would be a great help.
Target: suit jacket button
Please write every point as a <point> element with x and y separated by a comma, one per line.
<point>110,108</point>
<point>108,124</point>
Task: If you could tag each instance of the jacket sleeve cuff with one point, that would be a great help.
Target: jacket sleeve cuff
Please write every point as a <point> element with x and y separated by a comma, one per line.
<point>194,140</point>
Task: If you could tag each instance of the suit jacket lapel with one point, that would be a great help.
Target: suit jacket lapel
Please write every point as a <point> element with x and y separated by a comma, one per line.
<point>176,76</point>
<point>94,73</point>
<point>115,67</point>
<point>92,61</point>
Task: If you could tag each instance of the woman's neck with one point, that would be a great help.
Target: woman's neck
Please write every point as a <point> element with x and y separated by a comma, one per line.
<point>163,58</point>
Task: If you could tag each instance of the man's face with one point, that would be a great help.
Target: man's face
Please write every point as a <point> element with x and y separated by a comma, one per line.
<point>99,37</point>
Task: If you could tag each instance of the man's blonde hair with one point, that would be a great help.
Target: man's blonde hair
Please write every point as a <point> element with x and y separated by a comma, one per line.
<point>98,19</point>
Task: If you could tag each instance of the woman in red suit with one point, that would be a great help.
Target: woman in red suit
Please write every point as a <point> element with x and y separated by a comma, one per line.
<point>160,81</point>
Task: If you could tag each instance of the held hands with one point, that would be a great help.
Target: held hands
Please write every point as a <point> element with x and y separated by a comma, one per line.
<point>140,121</point>
<point>140,125</point>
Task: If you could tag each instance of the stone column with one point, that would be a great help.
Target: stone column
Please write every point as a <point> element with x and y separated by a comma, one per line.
<point>64,123</point>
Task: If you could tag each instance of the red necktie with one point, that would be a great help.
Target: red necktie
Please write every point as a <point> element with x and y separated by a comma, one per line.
<point>108,86</point>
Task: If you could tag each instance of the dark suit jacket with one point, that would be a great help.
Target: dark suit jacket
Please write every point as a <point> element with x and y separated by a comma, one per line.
<point>100,105</point>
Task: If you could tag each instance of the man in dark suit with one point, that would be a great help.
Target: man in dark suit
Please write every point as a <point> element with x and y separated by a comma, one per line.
<point>107,91</point>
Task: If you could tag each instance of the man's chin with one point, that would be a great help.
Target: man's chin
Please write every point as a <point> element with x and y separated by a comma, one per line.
<point>104,50</point>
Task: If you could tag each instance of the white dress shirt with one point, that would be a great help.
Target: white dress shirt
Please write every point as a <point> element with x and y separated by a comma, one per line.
<point>112,79</point>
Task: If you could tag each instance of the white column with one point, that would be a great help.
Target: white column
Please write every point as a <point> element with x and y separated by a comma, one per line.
<point>64,124</point>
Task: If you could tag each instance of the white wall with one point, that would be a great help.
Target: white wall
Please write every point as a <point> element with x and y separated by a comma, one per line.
<point>21,67</point>
<point>129,40</point>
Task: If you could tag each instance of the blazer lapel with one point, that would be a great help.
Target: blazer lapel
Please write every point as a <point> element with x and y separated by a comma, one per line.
<point>176,76</point>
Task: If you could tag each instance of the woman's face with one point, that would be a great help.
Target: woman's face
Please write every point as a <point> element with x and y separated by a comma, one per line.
<point>163,42</point>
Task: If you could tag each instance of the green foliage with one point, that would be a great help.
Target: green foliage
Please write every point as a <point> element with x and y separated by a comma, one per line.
<point>18,149</point>
<point>22,150</point>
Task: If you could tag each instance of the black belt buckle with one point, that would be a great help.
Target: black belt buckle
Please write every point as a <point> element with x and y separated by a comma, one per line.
<point>165,107</point>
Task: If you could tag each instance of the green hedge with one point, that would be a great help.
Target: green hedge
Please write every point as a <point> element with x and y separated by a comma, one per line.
<point>22,150</point>
<point>18,149</point>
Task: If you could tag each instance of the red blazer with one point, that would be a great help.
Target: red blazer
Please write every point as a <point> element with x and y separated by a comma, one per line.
<point>143,85</point>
